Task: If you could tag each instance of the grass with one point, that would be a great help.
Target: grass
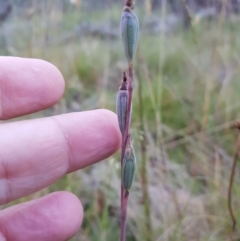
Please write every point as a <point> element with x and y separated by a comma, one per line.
<point>189,166</point>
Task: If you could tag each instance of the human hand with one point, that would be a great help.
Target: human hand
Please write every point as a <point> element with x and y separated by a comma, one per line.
<point>36,153</point>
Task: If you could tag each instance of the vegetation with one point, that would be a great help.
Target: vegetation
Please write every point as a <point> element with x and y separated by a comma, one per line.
<point>189,102</point>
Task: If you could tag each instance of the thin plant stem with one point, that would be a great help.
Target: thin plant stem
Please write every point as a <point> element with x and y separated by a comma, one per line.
<point>209,83</point>
<point>124,214</point>
<point>144,175</point>
<point>235,158</point>
<point>123,211</point>
<point>148,6</point>
<point>187,16</point>
<point>124,193</point>
<point>129,107</point>
<point>158,114</point>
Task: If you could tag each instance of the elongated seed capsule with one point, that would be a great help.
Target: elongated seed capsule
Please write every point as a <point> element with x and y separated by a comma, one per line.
<point>121,105</point>
<point>129,31</point>
<point>128,168</point>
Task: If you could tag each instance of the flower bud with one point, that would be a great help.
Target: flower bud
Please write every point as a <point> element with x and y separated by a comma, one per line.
<point>128,168</point>
<point>129,30</point>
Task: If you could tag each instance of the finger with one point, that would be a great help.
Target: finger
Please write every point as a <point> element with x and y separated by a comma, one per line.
<point>28,85</point>
<point>56,216</point>
<point>36,153</point>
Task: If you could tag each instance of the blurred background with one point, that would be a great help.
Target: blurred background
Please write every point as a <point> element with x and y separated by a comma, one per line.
<point>186,99</point>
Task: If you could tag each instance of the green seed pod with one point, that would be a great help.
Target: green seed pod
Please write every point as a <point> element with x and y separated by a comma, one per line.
<point>129,30</point>
<point>128,168</point>
<point>121,104</point>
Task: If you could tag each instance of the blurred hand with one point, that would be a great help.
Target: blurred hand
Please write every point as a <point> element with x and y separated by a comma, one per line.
<point>36,153</point>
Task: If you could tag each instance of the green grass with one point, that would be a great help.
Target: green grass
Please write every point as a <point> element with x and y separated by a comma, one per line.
<point>188,192</point>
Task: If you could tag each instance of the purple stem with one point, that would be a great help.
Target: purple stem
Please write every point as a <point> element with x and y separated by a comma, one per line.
<point>124,193</point>
<point>124,215</point>
<point>128,118</point>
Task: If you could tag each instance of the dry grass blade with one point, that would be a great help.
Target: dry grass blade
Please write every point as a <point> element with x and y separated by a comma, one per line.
<point>231,180</point>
